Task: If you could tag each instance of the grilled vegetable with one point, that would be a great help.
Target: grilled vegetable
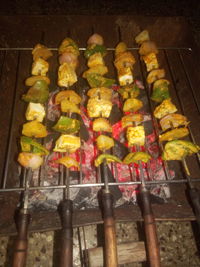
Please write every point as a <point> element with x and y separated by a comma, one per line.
<point>68,46</point>
<point>101,124</point>
<point>148,47</point>
<point>174,134</point>
<point>155,75</point>
<point>96,80</point>
<point>66,75</point>
<point>120,48</point>
<point>41,51</point>
<point>69,58</point>
<point>100,92</point>
<point>67,143</point>
<point>104,142</point>
<point>129,120</point>
<point>34,129</point>
<point>69,95</point>
<point>142,37</point>
<point>68,162</point>
<point>123,60</point>
<point>38,93</point>
<point>166,107</point>
<point>179,149</point>
<point>160,91</point>
<point>135,136</point>
<point>132,105</point>
<point>151,61</point>
<point>68,106</point>
<point>35,111</point>
<point>125,76</point>
<point>94,48</point>
<point>30,145</point>
<point>136,156</point>
<point>40,67</point>
<point>108,158</point>
<point>97,69</point>
<point>33,79</point>
<point>129,91</point>
<point>30,160</point>
<point>99,108</point>
<point>95,39</point>
<point>95,59</point>
<point>173,121</point>
<point>67,125</point>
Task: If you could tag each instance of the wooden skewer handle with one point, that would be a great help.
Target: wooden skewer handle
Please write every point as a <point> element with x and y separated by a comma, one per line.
<point>109,230</point>
<point>150,229</point>
<point>195,199</point>
<point>21,243</point>
<point>66,253</point>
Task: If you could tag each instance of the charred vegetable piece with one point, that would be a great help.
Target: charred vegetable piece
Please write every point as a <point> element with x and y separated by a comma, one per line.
<point>40,67</point>
<point>67,125</point>
<point>174,134</point>
<point>95,39</point>
<point>98,69</point>
<point>101,124</point>
<point>104,142</point>
<point>69,95</point>
<point>129,91</point>
<point>108,158</point>
<point>101,92</point>
<point>30,145</point>
<point>38,93</point>
<point>30,160</point>
<point>68,162</point>
<point>120,48</point>
<point>137,156</point>
<point>124,59</point>
<point>125,76</point>
<point>67,143</point>
<point>68,45</point>
<point>135,136</point>
<point>95,59</point>
<point>155,75</point>
<point>41,51</point>
<point>148,47</point>
<point>66,75</point>
<point>99,107</point>
<point>173,121</point>
<point>33,79</point>
<point>179,149</point>
<point>34,129</point>
<point>35,111</point>
<point>142,37</point>
<point>97,80</point>
<point>69,58</point>
<point>68,106</point>
<point>151,61</point>
<point>94,48</point>
<point>129,120</point>
<point>132,105</point>
<point>160,90</point>
<point>166,107</point>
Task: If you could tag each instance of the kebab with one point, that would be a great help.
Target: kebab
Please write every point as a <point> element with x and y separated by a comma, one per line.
<point>99,107</point>
<point>135,134</point>
<point>32,152</point>
<point>174,124</point>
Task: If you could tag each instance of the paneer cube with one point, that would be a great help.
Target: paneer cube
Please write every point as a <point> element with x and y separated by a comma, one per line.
<point>95,59</point>
<point>99,108</point>
<point>151,61</point>
<point>40,67</point>
<point>135,136</point>
<point>35,111</point>
<point>125,76</point>
<point>66,75</point>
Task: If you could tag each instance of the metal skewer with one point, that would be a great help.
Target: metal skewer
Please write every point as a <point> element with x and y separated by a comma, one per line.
<point>22,222</point>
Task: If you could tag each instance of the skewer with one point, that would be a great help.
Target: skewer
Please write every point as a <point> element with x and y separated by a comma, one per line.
<point>22,222</point>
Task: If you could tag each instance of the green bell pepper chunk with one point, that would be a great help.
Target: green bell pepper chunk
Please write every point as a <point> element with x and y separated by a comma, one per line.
<point>67,125</point>
<point>129,91</point>
<point>160,93</point>
<point>94,48</point>
<point>30,145</point>
<point>96,80</point>
<point>108,158</point>
<point>38,93</point>
<point>134,157</point>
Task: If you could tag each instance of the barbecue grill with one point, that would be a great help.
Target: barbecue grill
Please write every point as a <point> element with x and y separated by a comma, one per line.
<point>177,55</point>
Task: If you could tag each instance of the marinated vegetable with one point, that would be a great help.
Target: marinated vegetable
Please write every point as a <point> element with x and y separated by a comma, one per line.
<point>155,75</point>
<point>67,125</point>
<point>132,105</point>
<point>38,93</point>
<point>68,46</point>
<point>129,120</point>
<point>104,142</point>
<point>41,51</point>
<point>160,90</point>
<point>148,47</point>
<point>33,79</point>
<point>66,75</point>
<point>30,160</point>
<point>151,61</point>
<point>134,157</point>
<point>69,95</point>
<point>68,106</point>
<point>135,136</point>
<point>142,37</point>
<point>68,162</point>
<point>30,145</point>
<point>94,48</point>
<point>173,121</point>
<point>129,91</point>
<point>100,92</point>
<point>99,108</point>
<point>95,59</point>
<point>101,124</point>
<point>174,134</point>
<point>34,129</point>
<point>67,143</point>
<point>125,76</point>
<point>96,80</point>
<point>109,158</point>
<point>40,67</point>
<point>166,107</point>
<point>35,111</point>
